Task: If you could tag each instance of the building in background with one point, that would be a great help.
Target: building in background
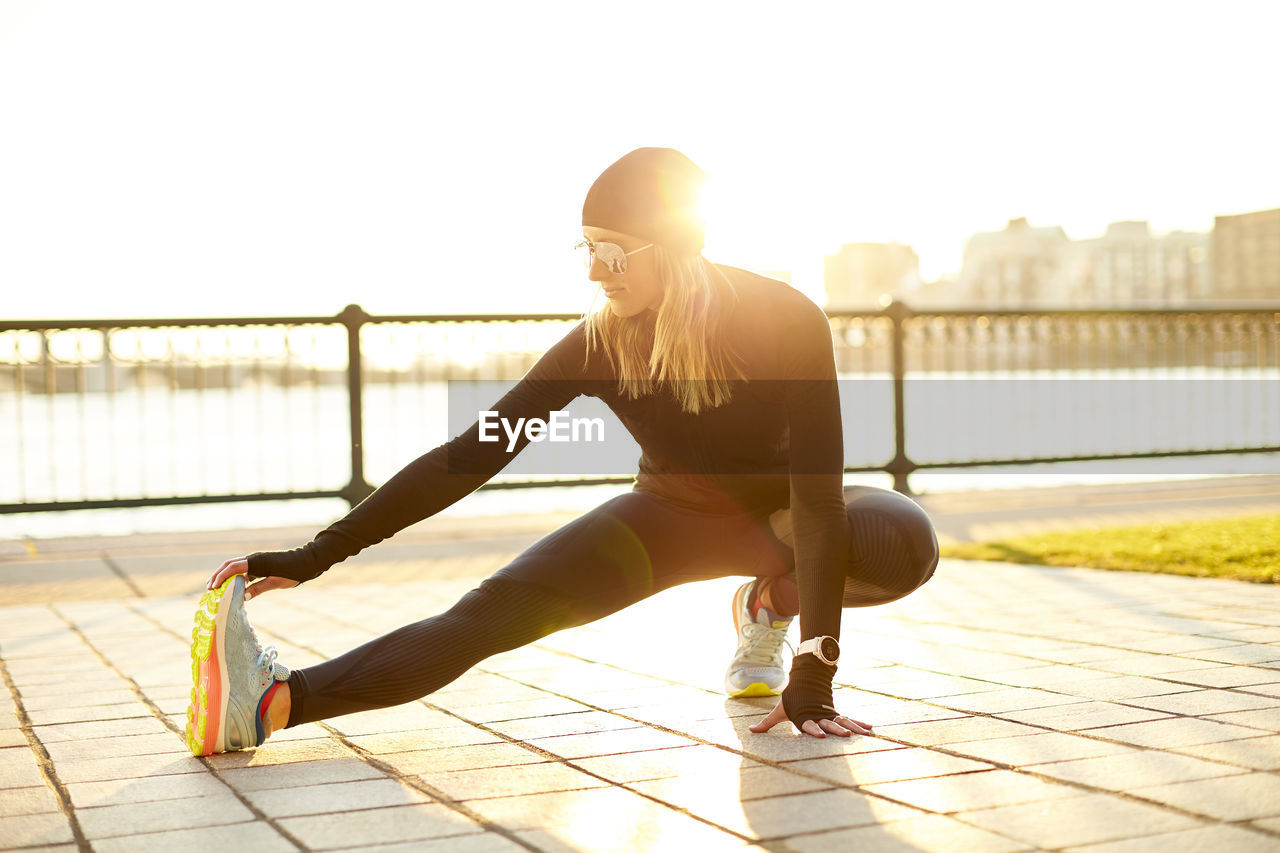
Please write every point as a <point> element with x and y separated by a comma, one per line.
<point>1024,266</point>
<point>1130,266</point>
<point>1186,267</point>
<point>1014,267</point>
<point>865,275</point>
<point>939,295</point>
<point>1246,255</point>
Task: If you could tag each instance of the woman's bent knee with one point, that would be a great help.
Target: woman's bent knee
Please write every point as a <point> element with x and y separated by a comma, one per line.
<point>894,547</point>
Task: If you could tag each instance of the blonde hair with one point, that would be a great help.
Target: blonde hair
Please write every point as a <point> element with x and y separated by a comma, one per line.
<point>689,351</point>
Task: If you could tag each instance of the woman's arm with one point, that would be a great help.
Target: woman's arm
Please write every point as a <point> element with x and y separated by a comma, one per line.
<point>817,503</point>
<point>439,478</point>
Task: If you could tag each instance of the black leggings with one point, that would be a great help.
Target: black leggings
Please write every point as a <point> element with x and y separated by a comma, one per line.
<point>619,553</point>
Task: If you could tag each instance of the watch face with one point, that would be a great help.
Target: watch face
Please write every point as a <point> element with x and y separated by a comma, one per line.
<point>830,648</point>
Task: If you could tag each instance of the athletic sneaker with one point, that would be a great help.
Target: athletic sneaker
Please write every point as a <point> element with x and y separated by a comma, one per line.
<point>234,677</point>
<point>756,669</point>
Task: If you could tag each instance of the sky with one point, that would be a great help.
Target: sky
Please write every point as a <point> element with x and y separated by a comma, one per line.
<point>181,159</point>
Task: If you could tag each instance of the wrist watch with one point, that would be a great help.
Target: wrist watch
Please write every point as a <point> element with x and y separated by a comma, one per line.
<point>825,649</point>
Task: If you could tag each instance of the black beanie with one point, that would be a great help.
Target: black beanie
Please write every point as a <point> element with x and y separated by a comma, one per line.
<point>651,193</point>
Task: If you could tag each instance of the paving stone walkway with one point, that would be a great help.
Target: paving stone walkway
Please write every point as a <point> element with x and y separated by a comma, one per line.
<point>1016,708</point>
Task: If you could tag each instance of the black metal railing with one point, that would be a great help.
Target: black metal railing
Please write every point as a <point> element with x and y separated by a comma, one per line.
<point>127,413</point>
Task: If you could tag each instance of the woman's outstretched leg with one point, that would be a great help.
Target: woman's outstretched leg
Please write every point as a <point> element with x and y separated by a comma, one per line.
<point>241,694</point>
<point>619,553</point>
<point>418,659</point>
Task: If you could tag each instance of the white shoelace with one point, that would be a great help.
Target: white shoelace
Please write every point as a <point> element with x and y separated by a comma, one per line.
<point>266,656</point>
<point>267,660</point>
<point>763,645</point>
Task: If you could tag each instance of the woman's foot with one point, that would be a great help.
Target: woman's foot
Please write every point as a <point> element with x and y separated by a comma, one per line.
<point>756,668</point>
<point>234,677</point>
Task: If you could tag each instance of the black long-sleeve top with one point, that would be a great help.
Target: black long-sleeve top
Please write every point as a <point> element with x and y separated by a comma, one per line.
<point>776,443</point>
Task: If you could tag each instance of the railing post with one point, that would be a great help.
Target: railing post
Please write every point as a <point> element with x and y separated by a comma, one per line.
<point>353,317</point>
<point>901,465</point>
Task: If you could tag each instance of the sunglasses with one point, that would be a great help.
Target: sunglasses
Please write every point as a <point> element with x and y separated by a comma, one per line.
<point>611,255</point>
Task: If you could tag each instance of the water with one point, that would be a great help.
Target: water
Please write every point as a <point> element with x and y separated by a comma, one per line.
<point>261,437</point>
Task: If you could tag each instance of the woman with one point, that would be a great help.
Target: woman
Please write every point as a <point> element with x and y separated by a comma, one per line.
<point>727,381</point>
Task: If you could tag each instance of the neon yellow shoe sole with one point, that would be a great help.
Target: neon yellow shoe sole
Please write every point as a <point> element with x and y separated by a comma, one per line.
<point>755,689</point>
<point>208,672</point>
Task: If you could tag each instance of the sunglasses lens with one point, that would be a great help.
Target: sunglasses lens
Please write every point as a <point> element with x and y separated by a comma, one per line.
<point>612,256</point>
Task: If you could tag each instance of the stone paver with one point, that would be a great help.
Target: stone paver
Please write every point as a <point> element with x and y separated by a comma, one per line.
<point>1175,732</point>
<point>1259,753</point>
<point>1267,719</point>
<point>1006,700</point>
<point>534,811</point>
<point>973,791</point>
<point>1079,716</point>
<point>1272,824</point>
<point>325,799</point>
<point>461,758</point>
<point>401,823</point>
<point>954,731</point>
<point>1078,821</point>
<point>747,783</point>
<point>887,766</point>
<point>236,836</point>
<point>158,765</point>
<point>142,790</point>
<point>1207,839</point>
<point>936,833</point>
<point>1245,797</point>
<point>610,743</point>
<point>424,739</point>
<point>577,723</point>
<point>520,780</point>
<point>1084,710</point>
<point>24,801</point>
<point>141,817</point>
<point>28,830</point>
<point>1135,768</point>
<point>1233,676</point>
<point>1036,749</point>
<point>118,749</point>
<point>778,817</point>
<point>662,763</point>
<point>89,713</point>
<point>645,828</point>
<point>486,842</point>
<point>296,775</point>
<point>1202,702</point>
<point>1119,688</point>
<point>283,752</point>
<point>18,768</point>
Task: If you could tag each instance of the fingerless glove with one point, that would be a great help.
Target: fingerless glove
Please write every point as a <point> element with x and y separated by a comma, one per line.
<point>296,565</point>
<point>808,694</point>
<point>330,546</point>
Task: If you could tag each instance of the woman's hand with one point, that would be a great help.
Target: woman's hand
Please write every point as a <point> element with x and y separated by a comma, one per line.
<point>840,726</point>
<point>240,566</point>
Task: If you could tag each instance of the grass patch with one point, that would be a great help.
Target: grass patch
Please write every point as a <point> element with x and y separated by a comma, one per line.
<point>1246,549</point>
